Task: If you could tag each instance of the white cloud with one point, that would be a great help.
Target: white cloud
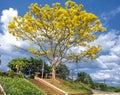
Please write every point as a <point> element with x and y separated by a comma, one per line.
<point>107,41</point>
<point>100,75</point>
<point>107,65</point>
<point>7,16</point>
<point>111,77</point>
<point>109,59</point>
<point>7,41</point>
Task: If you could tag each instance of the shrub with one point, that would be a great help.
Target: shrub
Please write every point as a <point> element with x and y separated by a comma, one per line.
<point>20,75</point>
<point>10,73</point>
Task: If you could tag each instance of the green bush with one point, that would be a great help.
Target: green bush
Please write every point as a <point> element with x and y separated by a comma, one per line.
<point>113,89</point>
<point>77,86</point>
<point>19,86</point>
<point>62,71</point>
<point>20,75</point>
<point>10,73</point>
<point>117,89</point>
<point>102,86</point>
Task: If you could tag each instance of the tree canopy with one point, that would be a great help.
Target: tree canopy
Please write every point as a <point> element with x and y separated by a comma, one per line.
<point>17,64</point>
<point>29,66</point>
<point>84,77</point>
<point>36,66</point>
<point>56,30</point>
<point>62,71</point>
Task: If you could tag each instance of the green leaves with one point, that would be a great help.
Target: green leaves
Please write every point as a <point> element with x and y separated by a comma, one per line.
<point>17,64</point>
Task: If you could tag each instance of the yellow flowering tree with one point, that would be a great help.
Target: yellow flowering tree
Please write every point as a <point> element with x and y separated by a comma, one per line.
<point>56,30</point>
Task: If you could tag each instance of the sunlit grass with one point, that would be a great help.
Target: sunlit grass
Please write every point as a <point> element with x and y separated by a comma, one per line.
<point>19,86</point>
<point>71,87</point>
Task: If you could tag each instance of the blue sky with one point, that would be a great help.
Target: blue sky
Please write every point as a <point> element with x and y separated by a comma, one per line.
<point>95,6</point>
<point>106,66</point>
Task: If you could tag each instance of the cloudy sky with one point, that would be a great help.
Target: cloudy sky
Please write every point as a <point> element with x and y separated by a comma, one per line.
<point>105,67</point>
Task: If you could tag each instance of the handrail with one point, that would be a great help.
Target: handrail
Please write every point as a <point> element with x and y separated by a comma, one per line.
<point>2,90</point>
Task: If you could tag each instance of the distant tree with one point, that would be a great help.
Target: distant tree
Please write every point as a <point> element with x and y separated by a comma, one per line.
<point>17,64</point>
<point>84,77</point>
<point>99,86</point>
<point>36,65</point>
<point>28,66</point>
<point>62,71</point>
<point>56,30</point>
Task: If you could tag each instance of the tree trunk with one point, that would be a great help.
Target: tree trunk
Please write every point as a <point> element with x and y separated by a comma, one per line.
<point>53,72</point>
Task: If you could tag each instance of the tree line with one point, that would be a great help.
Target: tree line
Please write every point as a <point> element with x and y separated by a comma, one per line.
<point>33,66</point>
<point>29,67</point>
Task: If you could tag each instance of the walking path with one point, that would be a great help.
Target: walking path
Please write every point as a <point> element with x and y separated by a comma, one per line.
<point>98,92</point>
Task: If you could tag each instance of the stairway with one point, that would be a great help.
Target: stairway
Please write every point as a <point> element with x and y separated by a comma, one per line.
<point>43,87</point>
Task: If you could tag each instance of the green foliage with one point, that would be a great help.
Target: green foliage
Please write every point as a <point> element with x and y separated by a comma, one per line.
<point>84,78</point>
<point>3,73</point>
<point>17,64</point>
<point>104,87</point>
<point>12,74</point>
<point>72,87</point>
<point>18,86</point>
<point>35,66</point>
<point>29,66</point>
<point>20,75</point>
<point>99,86</point>
<point>111,89</point>
<point>62,71</point>
<point>117,89</point>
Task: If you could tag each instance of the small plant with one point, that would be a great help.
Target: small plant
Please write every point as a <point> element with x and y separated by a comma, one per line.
<point>10,73</point>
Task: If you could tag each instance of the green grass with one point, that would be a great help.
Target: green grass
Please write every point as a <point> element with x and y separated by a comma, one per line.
<point>72,87</point>
<point>111,89</point>
<point>19,86</point>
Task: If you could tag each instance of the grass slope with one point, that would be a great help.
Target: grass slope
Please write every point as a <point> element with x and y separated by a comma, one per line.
<point>71,87</point>
<point>19,86</point>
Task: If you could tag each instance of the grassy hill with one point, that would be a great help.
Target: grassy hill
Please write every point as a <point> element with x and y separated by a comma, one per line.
<point>19,86</point>
<point>71,87</point>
